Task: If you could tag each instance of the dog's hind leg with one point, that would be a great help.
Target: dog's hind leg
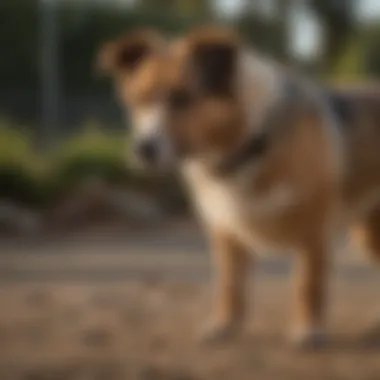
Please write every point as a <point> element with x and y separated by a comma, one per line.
<point>366,233</point>
<point>310,282</point>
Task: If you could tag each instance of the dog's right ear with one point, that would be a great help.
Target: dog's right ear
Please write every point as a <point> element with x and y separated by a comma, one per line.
<point>213,57</point>
<point>126,53</point>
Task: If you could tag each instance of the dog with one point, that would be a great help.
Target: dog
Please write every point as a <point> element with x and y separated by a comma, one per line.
<point>270,158</point>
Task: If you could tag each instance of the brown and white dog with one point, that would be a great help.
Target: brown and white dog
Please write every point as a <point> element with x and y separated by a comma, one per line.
<point>271,159</point>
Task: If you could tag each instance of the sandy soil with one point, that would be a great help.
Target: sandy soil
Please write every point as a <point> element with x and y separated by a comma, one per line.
<point>130,307</point>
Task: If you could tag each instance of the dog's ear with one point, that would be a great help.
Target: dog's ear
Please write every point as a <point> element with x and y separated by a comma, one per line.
<point>213,59</point>
<point>127,52</point>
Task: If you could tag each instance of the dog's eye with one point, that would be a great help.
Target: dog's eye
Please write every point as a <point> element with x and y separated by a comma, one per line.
<point>179,99</point>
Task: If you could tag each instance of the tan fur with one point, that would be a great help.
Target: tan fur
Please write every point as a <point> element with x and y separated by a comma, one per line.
<point>231,261</point>
<point>366,233</point>
<point>315,175</point>
<point>310,281</point>
<point>108,56</point>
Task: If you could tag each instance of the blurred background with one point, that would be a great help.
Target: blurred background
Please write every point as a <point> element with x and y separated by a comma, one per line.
<point>102,268</point>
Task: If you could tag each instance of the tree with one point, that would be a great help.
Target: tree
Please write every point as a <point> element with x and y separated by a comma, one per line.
<point>269,32</point>
<point>281,38</point>
<point>183,8</point>
<point>155,5</point>
<point>337,18</point>
<point>195,7</point>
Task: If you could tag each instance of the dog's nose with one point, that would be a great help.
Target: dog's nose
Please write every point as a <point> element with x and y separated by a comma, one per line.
<point>148,151</point>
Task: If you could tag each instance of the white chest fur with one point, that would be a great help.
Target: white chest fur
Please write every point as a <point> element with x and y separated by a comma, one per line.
<point>226,204</point>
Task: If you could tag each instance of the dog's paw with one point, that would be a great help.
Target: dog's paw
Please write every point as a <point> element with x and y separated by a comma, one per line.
<point>308,339</point>
<point>219,332</point>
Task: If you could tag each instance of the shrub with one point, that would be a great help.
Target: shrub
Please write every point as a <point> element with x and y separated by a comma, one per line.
<point>21,170</point>
<point>372,51</point>
<point>91,153</point>
<point>43,180</point>
<point>350,67</point>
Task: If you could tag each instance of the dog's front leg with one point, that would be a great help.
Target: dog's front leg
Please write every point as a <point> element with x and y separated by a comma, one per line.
<point>310,282</point>
<point>231,267</point>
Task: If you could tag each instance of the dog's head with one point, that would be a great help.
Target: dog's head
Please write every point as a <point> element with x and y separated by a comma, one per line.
<point>184,97</point>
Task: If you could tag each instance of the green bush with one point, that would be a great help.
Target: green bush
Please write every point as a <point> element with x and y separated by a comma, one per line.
<point>92,153</point>
<point>41,180</point>
<point>371,41</point>
<point>21,170</point>
<point>361,59</point>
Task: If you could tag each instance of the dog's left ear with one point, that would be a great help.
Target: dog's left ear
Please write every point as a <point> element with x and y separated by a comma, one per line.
<point>127,52</point>
<point>213,60</point>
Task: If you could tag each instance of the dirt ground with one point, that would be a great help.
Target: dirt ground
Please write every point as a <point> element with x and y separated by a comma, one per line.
<point>129,306</point>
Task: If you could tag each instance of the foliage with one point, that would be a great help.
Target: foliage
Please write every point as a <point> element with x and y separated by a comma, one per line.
<point>371,42</point>
<point>42,180</point>
<point>339,23</point>
<point>180,8</point>
<point>90,154</point>
<point>350,66</point>
<point>19,28</point>
<point>21,170</point>
<point>361,58</point>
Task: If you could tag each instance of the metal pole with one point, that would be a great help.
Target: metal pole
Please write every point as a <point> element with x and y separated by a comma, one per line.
<point>49,71</point>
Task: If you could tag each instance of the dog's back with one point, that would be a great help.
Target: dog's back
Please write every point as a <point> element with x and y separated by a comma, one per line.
<point>357,110</point>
